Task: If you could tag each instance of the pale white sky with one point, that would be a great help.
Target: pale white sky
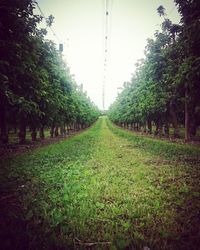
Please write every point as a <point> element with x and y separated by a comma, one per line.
<point>80,26</point>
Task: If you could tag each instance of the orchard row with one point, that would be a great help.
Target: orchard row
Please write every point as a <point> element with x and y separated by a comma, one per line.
<point>37,89</point>
<point>165,88</point>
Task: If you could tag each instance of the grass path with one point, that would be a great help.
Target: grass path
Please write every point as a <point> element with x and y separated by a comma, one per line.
<point>103,189</point>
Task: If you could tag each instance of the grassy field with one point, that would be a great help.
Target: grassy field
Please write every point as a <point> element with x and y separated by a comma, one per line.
<point>105,188</point>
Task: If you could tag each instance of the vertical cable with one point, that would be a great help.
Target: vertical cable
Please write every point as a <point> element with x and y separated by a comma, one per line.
<point>53,32</point>
<point>106,38</point>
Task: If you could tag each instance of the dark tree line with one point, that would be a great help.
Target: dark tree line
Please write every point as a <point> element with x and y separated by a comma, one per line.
<point>165,89</point>
<point>36,88</point>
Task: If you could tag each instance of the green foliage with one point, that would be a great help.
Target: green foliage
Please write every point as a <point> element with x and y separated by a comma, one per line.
<point>37,87</point>
<point>165,87</point>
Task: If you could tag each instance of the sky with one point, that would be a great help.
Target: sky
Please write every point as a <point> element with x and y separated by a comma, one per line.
<point>81,25</point>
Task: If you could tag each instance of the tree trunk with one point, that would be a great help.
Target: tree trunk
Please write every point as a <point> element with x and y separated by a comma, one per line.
<point>144,127</point>
<point>187,122</point>
<point>166,129</point>
<point>132,126</point>
<point>15,129</point>
<point>174,120</point>
<point>34,134</point>
<point>61,130</point>
<point>64,129</point>
<point>193,122</point>
<point>22,129</point>
<point>193,128</point>
<point>74,127</point>
<point>68,129</point>
<point>56,131</point>
<point>71,127</point>
<point>158,127</point>
<point>3,127</point>
<point>41,132</point>
<point>52,131</point>
<point>149,125</point>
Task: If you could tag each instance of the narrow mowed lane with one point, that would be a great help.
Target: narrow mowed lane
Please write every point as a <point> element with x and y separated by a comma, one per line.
<point>103,189</point>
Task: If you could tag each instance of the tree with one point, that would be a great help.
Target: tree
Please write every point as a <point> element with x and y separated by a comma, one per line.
<point>188,75</point>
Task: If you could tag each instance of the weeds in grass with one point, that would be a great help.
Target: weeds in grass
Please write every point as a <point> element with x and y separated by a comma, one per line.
<point>104,189</point>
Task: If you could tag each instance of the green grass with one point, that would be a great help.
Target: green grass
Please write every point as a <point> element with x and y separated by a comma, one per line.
<point>104,185</point>
<point>176,151</point>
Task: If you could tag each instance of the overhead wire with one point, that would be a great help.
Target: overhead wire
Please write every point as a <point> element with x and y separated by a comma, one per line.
<point>106,39</point>
<point>43,15</point>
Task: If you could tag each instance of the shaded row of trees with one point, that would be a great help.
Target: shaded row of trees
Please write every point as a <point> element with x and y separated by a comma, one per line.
<point>165,88</point>
<point>36,88</point>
